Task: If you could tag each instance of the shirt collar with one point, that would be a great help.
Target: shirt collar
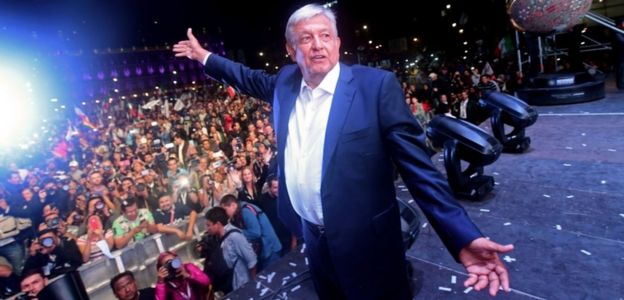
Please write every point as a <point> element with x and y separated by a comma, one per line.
<point>328,84</point>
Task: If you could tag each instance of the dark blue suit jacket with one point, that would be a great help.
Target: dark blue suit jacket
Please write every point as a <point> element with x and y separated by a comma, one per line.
<point>369,130</point>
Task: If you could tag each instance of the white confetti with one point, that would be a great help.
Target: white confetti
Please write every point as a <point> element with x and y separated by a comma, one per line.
<point>401,186</point>
<point>404,190</point>
<point>569,148</point>
<point>546,196</point>
<point>570,196</point>
<point>508,259</point>
<point>264,291</point>
<point>258,285</point>
<point>293,274</point>
<point>270,277</point>
<point>584,145</point>
<point>424,225</point>
<point>484,210</point>
<point>262,277</point>
<point>453,279</point>
<point>558,227</point>
<point>495,173</point>
<point>611,150</point>
<point>286,278</point>
<point>583,134</point>
<point>410,201</point>
<point>567,165</point>
<point>585,252</point>
<point>622,215</point>
<point>306,260</point>
<point>440,159</point>
<point>303,248</point>
<point>295,288</point>
<point>507,224</point>
<point>603,182</point>
<point>443,288</point>
<point>292,264</point>
<point>467,290</point>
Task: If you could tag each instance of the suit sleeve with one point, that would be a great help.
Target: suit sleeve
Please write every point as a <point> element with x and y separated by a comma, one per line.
<point>405,141</point>
<point>256,83</point>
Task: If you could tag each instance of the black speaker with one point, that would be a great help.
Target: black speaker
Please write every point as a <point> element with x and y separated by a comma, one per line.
<point>64,287</point>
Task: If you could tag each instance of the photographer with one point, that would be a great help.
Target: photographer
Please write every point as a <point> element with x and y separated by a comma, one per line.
<point>53,255</point>
<point>177,280</point>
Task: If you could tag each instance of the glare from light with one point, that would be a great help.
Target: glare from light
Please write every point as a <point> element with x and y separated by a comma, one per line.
<point>17,118</point>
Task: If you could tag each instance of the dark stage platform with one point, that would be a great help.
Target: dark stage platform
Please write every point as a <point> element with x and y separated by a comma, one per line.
<point>561,204</point>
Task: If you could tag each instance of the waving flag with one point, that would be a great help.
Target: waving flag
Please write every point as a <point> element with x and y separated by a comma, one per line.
<point>84,118</point>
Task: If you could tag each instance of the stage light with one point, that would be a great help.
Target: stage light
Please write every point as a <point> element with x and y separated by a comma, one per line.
<point>463,141</point>
<point>17,109</point>
<point>505,109</point>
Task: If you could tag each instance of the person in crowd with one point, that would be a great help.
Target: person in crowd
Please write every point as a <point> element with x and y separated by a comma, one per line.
<point>168,212</point>
<point>250,191</point>
<point>236,250</point>
<point>88,243</point>
<point>268,201</point>
<point>178,280</point>
<point>32,282</point>
<point>133,225</point>
<point>256,227</point>
<point>358,108</point>
<point>124,287</point>
<point>52,254</point>
<point>9,280</point>
<point>185,150</point>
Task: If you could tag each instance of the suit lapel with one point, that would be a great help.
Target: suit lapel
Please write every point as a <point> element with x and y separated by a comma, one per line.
<point>343,97</point>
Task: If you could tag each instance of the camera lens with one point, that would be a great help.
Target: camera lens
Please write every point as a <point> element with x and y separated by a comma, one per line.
<point>99,206</point>
<point>47,242</point>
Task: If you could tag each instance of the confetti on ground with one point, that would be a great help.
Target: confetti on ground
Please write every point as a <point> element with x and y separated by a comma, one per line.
<point>495,173</point>
<point>583,134</point>
<point>507,224</point>
<point>292,264</point>
<point>467,290</point>
<point>611,150</point>
<point>547,196</point>
<point>264,291</point>
<point>306,260</point>
<point>401,186</point>
<point>410,201</point>
<point>293,274</point>
<point>622,215</point>
<point>558,227</point>
<point>286,278</point>
<point>262,277</point>
<point>270,277</point>
<point>484,210</point>
<point>443,288</point>
<point>453,279</point>
<point>303,248</point>
<point>295,288</point>
<point>603,182</point>
<point>424,225</point>
<point>258,285</point>
<point>440,159</point>
<point>508,259</point>
<point>585,252</point>
<point>584,145</point>
<point>404,190</point>
<point>570,196</point>
<point>569,148</point>
<point>496,183</point>
<point>567,165</point>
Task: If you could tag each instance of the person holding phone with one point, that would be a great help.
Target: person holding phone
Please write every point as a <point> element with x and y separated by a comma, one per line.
<point>87,243</point>
<point>134,225</point>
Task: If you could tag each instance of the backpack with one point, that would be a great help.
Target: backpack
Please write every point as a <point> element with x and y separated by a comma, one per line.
<point>256,244</point>
<point>215,266</point>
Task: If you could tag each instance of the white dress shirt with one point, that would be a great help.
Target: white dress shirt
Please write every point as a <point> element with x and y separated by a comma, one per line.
<point>303,156</point>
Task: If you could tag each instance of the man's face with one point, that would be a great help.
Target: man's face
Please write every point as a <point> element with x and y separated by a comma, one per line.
<point>27,194</point>
<point>15,178</point>
<point>274,188</point>
<point>126,185</point>
<point>131,212</point>
<point>212,228</point>
<point>172,165</point>
<point>230,209</point>
<point>315,46</point>
<point>126,289</point>
<point>96,179</point>
<point>164,203</point>
<point>33,284</point>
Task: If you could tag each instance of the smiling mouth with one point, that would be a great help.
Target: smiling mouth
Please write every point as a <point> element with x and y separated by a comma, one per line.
<point>318,57</point>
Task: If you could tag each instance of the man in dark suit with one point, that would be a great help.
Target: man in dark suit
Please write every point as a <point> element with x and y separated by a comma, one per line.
<point>339,131</point>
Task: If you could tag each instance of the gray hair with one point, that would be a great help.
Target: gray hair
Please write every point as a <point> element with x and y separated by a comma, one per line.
<point>307,12</point>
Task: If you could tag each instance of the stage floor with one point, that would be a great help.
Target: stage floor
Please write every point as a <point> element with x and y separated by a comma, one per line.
<point>561,204</point>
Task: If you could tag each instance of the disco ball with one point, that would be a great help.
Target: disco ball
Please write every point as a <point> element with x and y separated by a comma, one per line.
<point>545,16</point>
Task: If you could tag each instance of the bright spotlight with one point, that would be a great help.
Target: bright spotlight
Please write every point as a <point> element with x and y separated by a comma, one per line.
<point>17,117</point>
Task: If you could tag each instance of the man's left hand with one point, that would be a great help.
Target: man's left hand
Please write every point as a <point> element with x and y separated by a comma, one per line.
<point>480,258</point>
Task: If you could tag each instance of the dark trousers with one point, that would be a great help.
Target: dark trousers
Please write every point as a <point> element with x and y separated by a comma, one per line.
<point>322,267</point>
